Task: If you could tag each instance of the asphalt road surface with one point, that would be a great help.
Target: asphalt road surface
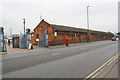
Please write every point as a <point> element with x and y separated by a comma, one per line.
<point>69,62</point>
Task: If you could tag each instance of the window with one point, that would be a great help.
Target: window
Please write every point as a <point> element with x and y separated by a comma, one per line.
<point>75,34</point>
<point>55,34</point>
<point>37,35</point>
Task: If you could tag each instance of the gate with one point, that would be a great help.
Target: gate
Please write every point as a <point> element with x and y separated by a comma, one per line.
<point>25,39</point>
<point>23,42</point>
<point>43,39</point>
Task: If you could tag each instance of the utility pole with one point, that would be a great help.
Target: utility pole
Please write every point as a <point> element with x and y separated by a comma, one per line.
<point>24,25</point>
<point>88,22</point>
<point>20,32</point>
<point>5,35</point>
<point>10,32</point>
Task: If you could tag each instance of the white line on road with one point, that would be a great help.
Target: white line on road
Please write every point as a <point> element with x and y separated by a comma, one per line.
<point>55,53</point>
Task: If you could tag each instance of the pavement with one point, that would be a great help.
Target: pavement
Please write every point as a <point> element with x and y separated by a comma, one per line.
<point>69,62</point>
<point>11,50</point>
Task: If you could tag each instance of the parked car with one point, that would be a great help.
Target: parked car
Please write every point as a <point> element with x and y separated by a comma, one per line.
<point>117,39</point>
<point>113,38</point>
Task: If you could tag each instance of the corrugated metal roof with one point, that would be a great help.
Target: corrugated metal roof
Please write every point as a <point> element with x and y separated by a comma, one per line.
<point>67,28</point>
<point>73,29</point>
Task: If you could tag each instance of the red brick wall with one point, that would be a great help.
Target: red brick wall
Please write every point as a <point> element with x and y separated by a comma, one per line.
<point>79,38</point>
<point>74,37</point>
<point>39,30</point>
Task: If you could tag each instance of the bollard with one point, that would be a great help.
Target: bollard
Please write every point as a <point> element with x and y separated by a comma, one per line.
<point>1,39</point>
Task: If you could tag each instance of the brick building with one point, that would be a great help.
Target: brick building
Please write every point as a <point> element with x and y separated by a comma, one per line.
<point>58,33</point>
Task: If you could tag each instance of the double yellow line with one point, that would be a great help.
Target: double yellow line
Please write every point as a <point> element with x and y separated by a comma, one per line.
<point>97,71</point>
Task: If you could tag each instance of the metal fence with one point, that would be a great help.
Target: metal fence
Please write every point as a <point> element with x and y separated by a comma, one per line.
<point>25,39</point>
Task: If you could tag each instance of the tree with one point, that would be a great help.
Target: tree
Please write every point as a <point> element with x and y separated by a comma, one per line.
<point>118,33</point>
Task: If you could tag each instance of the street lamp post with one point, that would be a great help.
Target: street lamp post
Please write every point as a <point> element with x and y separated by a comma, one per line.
<point>88,18</point>
<point>88,21</point>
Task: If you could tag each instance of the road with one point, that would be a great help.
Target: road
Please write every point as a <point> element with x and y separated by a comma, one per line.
<point>69,62</point>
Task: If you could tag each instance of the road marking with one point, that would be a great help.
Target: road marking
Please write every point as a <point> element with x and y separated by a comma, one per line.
<point>96,74</point>
<point>55,53</point>
<point>112,60</point>
<point>93,73</point>
<point>107,64</point>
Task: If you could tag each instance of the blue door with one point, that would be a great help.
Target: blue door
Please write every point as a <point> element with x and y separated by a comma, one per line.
<point>43,39</point>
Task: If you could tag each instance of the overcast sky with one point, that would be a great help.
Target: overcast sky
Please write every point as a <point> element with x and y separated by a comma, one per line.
<point>103,15</point>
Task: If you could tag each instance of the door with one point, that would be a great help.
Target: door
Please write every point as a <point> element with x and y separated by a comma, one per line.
<point>16,42</point>
<point>43,39</point>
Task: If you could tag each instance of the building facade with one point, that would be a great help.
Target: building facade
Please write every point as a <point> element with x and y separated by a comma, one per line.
<point>57,34</point>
